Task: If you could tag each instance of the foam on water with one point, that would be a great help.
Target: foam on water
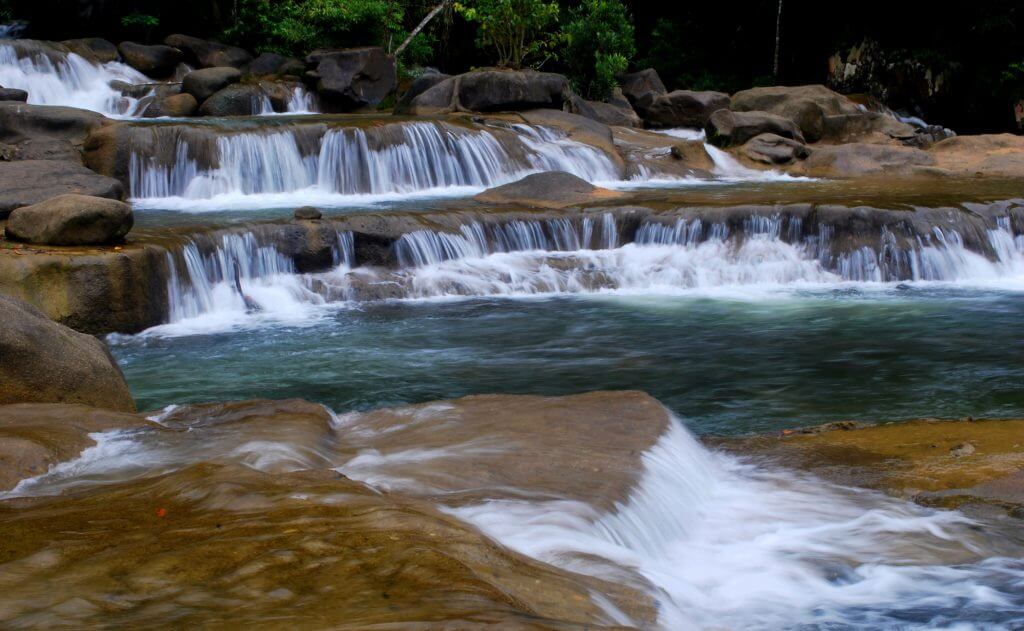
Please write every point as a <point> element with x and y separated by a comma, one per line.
<point>71,81</point>
<point>728,544</point>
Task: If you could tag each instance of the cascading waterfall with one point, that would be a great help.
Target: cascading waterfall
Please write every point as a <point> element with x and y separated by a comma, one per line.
<point>56,78</point>
<point>395,159</point>
<point>300,101</point>
<point>577,255</point>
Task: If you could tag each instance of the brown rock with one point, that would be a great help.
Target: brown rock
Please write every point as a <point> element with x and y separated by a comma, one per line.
<point>71,220</point>
<point>551,189</point>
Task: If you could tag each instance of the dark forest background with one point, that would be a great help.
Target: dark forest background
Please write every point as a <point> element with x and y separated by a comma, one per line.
<point>976,48</point>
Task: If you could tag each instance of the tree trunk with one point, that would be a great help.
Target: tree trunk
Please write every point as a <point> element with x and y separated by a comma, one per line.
<point>778,38</point>
<point>419,27</point>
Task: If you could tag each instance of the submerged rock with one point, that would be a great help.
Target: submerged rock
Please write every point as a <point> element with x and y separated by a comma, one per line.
<point>156,61</point>
<point>551,189</point>
<point>28,182</point>
<point>71,220</point>
<point>44,362</point>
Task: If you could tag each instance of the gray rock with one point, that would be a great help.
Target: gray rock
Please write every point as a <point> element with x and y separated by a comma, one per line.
<point>93,48</point>
<point>175,105</point>
<point>27,182</point>
<point>419,85</point>
<point>45,362</point>
<point>19,121</point>
<point>773,149</point>
<point>13,94</point>
<point>511,90</point>
<point>153,61</point>
<point>682,108</point>
<point>202,84</point>
<point>608,113</point>
<point>726,128</point>
<point>71,220</point>
<point>307,213</point>
<point>354,78</point>
<point>267,64</point>
<point>636,84</point>
<point>208,54</point>
<point>234,100</point>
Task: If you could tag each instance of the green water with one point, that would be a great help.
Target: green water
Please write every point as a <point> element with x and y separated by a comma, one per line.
<point>727,365</point>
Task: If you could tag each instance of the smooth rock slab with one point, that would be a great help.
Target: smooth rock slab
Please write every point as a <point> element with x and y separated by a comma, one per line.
<point>28,182</point>
<point>71,220</point>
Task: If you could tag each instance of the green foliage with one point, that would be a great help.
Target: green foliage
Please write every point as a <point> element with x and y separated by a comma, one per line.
<point>295,27</point>
<point>519,31</point>
<point>140,20</point>
<point>600,46</point>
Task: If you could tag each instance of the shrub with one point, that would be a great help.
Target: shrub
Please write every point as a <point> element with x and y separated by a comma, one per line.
<point>517,30</point>
<point>601,44</point>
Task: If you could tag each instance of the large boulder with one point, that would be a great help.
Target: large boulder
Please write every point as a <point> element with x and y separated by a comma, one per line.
<point>71,219</point>
<point>636,84</point>
<point>820,113</point>
<point>203,83</point>
<point>773,149</point>
<point>419,85</point>
<point>13,94</point>
<point>174,105</point>
<point>20,122</point>
<point>437,99</point>
<point>235,100</point>
<point>208,54</point>
<point>682,108</point>
<point>551,189</point>
<point>615,114</point>
<point>353,78</point>
<point>94,49</point>
<point>508,90</point>
<point>726,128</point>
<point>45,362</point>
<point>272,63</point>
<point>858,159</point>
<point>41,149</point>
<point>156,61</point>
<point>28,182</point>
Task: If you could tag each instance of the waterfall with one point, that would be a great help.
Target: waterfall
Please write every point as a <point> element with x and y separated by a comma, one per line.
<point>300,101</point>
<point>391,159</point>
<point>53,77</point>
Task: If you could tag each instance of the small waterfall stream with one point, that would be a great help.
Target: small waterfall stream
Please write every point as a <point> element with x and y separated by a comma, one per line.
<point>52,77</point>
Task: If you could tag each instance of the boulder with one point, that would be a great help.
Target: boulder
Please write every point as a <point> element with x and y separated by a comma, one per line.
<point>28,182</point>
<point>235,100</point>
<point>551,189</point>
<point>71,219</point>
<point>13,94</point>
<point>269,63</point>
<point>45,362</point>
<point>278,93</point>
<point>857,159</point>
<point>419,85</point>
<point>773,149</point>
<point>207,54</point>
<point>19,122</point>
<point>94,49</point>
<point>510,90</point>
<point>354,78</point>
<point>203,83</point>
<point>993,155</point>
<point>614,114</point>
<point>41,149</point>
<point>682,108</point>
<point>156,61</point>
<point>726,128</point>
<point>636,84</point>
<point>175,105</point>
<point>308,213</point>
<point>439,99</point>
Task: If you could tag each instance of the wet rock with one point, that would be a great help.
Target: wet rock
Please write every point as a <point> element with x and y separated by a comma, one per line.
<point>208,54</point>
<point>636,84</point>
<point>156,61</point>
<point>235,100</point>
<point>174,105</point>
<point>551,189</point>
<point>44,362</point>
<point>94,49</point>
<point>27,182</point>
<point>354,78</point>
<point>71,220</point>
<point>419,85</point>
<point>726,128</point>
<point>35,437</point>
<point>308,213</point>
<point>682,108</point>
<point>773,149</point>
<point>13,94</point>
<point>202,84</point>
<point>578,128</point>
<point>615,114</point>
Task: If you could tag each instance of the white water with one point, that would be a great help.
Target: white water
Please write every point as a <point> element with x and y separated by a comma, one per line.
<point>727,168</point>
<point>726,544</point>
<point>399,159</point>
<point>301,101</point>
<point>72,81</point>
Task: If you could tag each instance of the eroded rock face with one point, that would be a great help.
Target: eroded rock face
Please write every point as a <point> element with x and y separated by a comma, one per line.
<point>27,182</point>
<point>71,220</point>
<point>682,108</point>
<point>550,189</point>
<point>354,78</point>
<point>726,128</point>
<point>156,61</point>
<point>44,362</point>
<point>202,84</point>
<point>208,54</point>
